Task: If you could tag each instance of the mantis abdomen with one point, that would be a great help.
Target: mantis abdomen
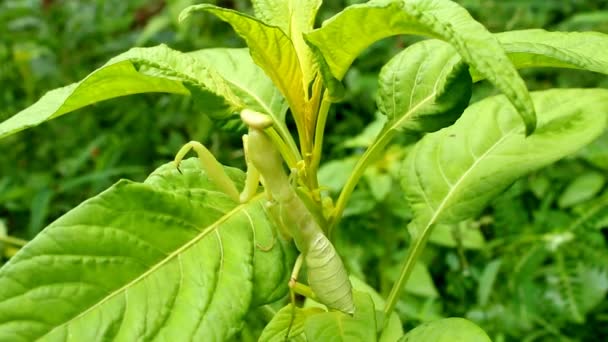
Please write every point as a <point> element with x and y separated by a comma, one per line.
<point>326,272</point>
<point>327,275</point>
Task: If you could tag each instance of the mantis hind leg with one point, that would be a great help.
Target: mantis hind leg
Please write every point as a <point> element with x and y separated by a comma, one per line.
<point>296,288</point>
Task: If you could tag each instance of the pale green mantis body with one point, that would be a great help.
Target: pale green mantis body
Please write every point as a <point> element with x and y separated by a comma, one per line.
<point>327,278</point>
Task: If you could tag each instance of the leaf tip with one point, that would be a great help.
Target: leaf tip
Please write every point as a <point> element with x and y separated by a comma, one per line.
<point>184,14</point>
<point>187,12</point>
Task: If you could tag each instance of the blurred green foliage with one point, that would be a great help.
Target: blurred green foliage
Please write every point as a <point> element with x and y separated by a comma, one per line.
<point>532,267</point>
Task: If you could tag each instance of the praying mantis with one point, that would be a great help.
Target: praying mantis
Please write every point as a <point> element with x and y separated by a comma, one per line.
<point>328,281</point>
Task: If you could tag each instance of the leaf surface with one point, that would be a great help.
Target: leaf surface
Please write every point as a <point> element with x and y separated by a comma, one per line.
<point>170,259</point>
<point>582,188</point>
<point>487,280</point>
<point>276,330</point>
<point>209,76</point>
<point>342,38</point>
<point>270,48</point>
<point>447,330</point>
<point>393,329</point>
<point>465,234</point>
<point>294,17</point>
<point>336,326</point>
<point>248,82</point>
<point>139,70</point>
<point>423,88</point>
<point>540,48</point>
<point>451,174</point>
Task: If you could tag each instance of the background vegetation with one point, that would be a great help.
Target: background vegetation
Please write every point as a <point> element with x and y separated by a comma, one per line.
<point>532,267</point>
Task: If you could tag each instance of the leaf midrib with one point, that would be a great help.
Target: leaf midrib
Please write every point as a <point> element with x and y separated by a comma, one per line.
<point>162,262</point>
<point>438,211</point>
<point>281,82</point>
<point>254,96</point>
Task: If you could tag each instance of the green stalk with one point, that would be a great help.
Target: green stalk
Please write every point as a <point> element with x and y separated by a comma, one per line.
<point>287,139</point>
<point>355,176</point>
<point>290,153</point>
<point>319,135</point>
<point>13,240</point>
<point>406,269</point>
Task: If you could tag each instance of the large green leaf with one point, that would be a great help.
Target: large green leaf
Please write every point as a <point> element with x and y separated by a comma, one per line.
<point>170,259</point>
<point>423,88</point>
<point>540,48</point>
<point>451,174</point>
<point>342,38</point>
<point>339,327</point>
<point>248,82</point>
<point>139,70</point>
<point>447,330</point>
<point>270,48</point>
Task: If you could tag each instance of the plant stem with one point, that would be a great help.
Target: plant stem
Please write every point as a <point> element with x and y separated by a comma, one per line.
<point>319,134</point>
<point>290,154</point>
<point>353,180</point>
<point>287,139</point>
<point>13,240</point>
<point>408,265</point>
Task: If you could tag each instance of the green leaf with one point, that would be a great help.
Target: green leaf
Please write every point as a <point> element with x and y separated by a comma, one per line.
<point>470,236</point>
<point>540,48</point>
<point>293,17</point>
<point>368,135</point>
<point>447,330</point>
<point>452,174</point>
<point>596,153</point>
<point>342,38</point>
<point>594,286</point>
<point>248,82</point>
<point>270,48</point>
<point>581,188</point>
<point>380,183</point>
<point>421,282</point>
<point>139,70</point>
<point>338,327</point>
<point>593,214</point>
<point>314,323</point>
<point>487,280</point>
<point>333,174</point>
<point>171,258</point>
<point>394,328</point>
<point>423,88</point>
<point>276,330</point>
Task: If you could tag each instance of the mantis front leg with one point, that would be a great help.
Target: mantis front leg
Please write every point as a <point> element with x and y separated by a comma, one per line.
<point>213,168</point>
<point>215,172</point>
